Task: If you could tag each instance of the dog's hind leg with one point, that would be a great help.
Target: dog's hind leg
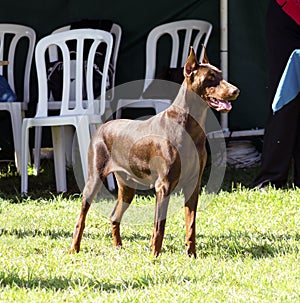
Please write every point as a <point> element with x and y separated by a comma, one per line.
<point>91,188</point>
<point>97,163</point>
<point>125,196</point>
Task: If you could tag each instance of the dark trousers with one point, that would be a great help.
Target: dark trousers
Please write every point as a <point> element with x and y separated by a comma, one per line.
<point>282,130</point>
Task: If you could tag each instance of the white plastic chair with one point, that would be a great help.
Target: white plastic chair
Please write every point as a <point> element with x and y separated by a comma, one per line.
<point>17,44</point>
<point>77,112</point>
<point>116,31</point>
<point>183,34</point>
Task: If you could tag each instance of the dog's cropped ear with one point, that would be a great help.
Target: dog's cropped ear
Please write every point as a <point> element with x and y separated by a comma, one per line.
<point>204,58</point>
<point>191,63</point>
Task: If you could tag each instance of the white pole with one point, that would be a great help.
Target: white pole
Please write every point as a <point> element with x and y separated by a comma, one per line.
<point>224,51</point>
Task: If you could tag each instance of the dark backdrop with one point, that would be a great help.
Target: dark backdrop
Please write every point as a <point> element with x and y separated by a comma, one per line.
<point>247,58</point>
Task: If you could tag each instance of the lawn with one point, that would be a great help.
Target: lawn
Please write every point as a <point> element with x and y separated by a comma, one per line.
<point>248,246</point>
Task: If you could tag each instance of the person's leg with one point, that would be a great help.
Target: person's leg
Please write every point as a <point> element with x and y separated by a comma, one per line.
<point>281,132</point>
<point>296,152</point>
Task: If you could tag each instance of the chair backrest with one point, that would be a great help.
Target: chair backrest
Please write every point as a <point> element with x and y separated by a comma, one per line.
<point>116,31</point>
<point>74,70</point>
<point>17,43</point>
<point>183,35</point>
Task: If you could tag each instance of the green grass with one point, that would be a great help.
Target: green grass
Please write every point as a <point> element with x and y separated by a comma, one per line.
<point>248,246</point>
<point>248,251</point>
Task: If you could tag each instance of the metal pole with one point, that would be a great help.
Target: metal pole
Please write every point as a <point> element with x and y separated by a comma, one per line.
<point>224,51</point>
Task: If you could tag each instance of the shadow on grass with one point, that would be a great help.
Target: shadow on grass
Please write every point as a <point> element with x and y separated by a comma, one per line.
<point>248,245</point>
<point>234,245</point>
<point>21,233</point>
<point>25,233</point>
<point>12,279</point>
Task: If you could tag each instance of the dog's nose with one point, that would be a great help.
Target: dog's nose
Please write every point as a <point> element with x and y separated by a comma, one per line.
<point>235,91</point>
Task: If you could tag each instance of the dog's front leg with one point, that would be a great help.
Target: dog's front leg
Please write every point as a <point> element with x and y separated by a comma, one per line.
<point>161,209</point>
<point>190,209</point>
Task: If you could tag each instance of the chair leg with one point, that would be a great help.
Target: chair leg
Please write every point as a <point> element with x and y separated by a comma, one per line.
<point>16,121</point>
<point>37,149</point>
<point>83,135</point>
<point>59,158</point>
<point>69,135</point>
<point>24,160</point>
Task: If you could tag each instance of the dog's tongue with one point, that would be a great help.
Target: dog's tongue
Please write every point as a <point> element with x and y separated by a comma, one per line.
<point>224,106</point>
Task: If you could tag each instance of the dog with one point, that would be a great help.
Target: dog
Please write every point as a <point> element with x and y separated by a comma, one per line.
<point>164,152</point>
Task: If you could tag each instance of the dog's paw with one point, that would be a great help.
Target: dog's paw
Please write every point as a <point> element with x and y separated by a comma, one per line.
<point>191,252</point>
<point>72,250</point>
<point>192,255</point>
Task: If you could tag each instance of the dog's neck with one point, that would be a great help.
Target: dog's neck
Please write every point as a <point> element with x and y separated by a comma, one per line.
<point>189,102</point>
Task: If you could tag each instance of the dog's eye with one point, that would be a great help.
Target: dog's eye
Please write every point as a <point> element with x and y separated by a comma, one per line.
<point>211,77</point>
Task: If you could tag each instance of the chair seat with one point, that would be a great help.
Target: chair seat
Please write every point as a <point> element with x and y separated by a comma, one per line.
<point>61,120</point>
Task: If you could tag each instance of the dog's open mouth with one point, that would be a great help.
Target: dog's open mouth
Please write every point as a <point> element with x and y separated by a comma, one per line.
<point>222,106</point>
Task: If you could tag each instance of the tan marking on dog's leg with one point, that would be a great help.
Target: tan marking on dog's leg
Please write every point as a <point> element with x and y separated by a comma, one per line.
<point>125,196</point>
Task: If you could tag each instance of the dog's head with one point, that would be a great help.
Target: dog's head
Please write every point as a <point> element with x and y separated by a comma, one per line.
<point>207,81</point>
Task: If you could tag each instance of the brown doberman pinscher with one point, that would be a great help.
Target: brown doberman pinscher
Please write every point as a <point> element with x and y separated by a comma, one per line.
<point>165,152</point>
